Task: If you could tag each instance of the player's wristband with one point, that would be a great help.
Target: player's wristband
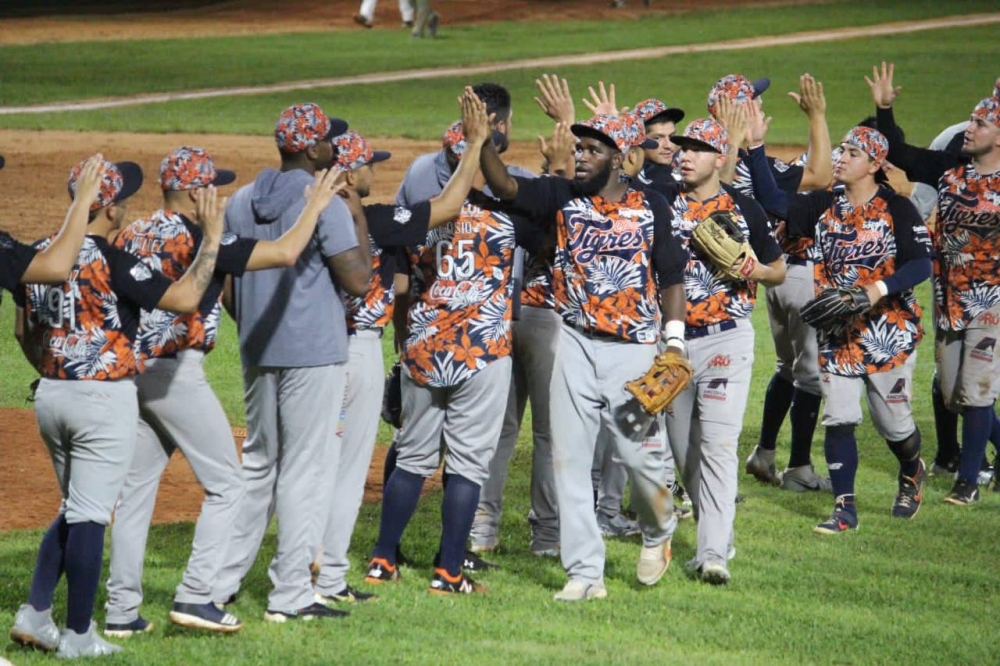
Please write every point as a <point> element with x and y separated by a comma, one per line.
<point>673,334</point>
<point>883,290</point>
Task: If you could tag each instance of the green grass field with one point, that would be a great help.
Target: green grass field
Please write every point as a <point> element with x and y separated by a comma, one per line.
<point>894,592</point>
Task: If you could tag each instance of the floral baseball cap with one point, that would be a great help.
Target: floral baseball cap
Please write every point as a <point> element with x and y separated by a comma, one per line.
<point>190,168</point>
<point>652,111</point>
<point>869,141</point>
<point>453,139</point>
<point>621,132</point>
<point>701,134</point>
<point>738,88</point>
<point>354,152</point>
<point>989,110</point>
<point>120,181</point>
<point>302,126</point>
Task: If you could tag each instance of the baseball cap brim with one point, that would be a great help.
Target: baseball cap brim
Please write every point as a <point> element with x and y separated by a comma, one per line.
<point>581,130</point>
<point>672,115</point>
<point>223,177</point>
<point>380,156</point>
<point>337,127</point>
<point>131,179</point>
<point>648,144</point>
<point>759,86</point>
<point>687,143</point>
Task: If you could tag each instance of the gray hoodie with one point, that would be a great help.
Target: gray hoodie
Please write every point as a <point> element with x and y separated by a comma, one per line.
<point>289,317</point>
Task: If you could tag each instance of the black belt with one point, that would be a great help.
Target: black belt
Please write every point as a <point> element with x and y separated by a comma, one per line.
<point>598,335</point>
<point>691,332</point>
<point>796,261</point>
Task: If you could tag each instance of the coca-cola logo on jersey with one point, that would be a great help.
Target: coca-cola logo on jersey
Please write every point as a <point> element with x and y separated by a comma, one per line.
<point>589,237</point>
<point>956,211</point>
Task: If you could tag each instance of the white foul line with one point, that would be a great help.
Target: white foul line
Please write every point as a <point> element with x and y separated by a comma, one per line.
<point>880,30</point>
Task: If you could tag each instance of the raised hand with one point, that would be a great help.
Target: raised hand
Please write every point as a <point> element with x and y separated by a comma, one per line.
<point>601,101</point>
<point>757,125</point>
<point>555,99</point>
<point>883,92</point>
<point>326,184</point>
<point>559,150</point>
<point>475,122</point>
<point>734,118</point>
<point>810,97</point>
<point>88,183</point>
<point>210,211</point>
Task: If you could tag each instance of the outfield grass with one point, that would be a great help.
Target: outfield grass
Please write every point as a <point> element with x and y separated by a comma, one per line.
<point>894,592</point>
<point>943,72</point>
<point>65,71</point>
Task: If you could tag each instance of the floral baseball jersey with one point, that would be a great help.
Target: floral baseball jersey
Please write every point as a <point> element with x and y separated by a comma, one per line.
<point>14,261</point>
<point>86,327</point>
<point>712,299</point>
<point>168,242</point>
<point>857,247</point>
<point>459,319</point>
<point>967,231</point>
<point>611,257</point>
<point>537,291</point>
<point>390,229</point>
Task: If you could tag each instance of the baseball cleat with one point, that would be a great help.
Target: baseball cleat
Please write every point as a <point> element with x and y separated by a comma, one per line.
<point>204,616</point>
<point>380,571</point>
<point>362,21</point>
<point>316,611</point>
<point>985,473</point>
<point>578,590</point>
<point>804,479</point>
<point>90,644</point>
<point>962,493</point>
<point>842,520</point>
<point>445,583</point>
<point>939,469</point>
<point>714,573</point>
<point>910,494</point>
<point>433,23</point>
<point>617,527</point>
<point>484,545</point>
<point>347,595</point>
<point>653,563</point>
<point>35,628</point>
<point>761,466</point>
<point>546,552</point>
<point>139,625</point>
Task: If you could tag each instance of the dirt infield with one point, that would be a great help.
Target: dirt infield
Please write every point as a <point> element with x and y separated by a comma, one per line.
<point>255,17</point>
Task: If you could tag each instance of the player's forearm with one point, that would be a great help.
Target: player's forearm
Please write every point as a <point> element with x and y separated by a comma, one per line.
<point>769,275</point>
<point>53,264</point>
<point>184,296</point>
<point>728,171</point>
<point>818,170</point>
<point>446,206</point>
<point>502,184</point>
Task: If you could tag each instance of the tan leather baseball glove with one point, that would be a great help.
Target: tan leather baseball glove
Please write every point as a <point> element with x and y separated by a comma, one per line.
<point>656,389</point>
<point>719,239</point>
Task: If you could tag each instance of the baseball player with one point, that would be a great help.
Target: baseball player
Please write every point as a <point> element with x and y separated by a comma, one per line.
<point>424,179</point>
<point>795,386</point>
<point>456,372</point>
<point>366,13</point>
<point>177,407</point>
<point>293,343</point>
<point>866,235</point>
<point>659,170</point>
<point>616,267</point>
<point>391,228</point>
<point>23,264</point>
<point>705,420</point>
<point>80,336</point>
<point>966,270</point>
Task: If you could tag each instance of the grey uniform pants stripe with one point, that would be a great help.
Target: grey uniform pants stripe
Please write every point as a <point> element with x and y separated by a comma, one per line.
<point>291,447</point>
<point>177,410</point>
<point>89,430</point>
<point>589,401</point>
<point>536,335</point>
<point>704,424</point>
<point>359,427</point>
<point>463,420</point>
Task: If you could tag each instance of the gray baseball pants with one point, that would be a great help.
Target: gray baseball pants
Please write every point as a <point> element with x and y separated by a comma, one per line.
<point>464,419</point>
<point>889,396</point>
<point>535,337</point>
<point>359,427</point>
<point>89,430</point>
<point>291,447</point>
<point>589,401</point>
<point>177,410</point>
<point>704,424</point>
<point>794,340</point>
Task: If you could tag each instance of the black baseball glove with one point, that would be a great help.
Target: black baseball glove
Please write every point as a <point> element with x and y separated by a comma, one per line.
<point>835,307</point>
<point>392,398</point>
